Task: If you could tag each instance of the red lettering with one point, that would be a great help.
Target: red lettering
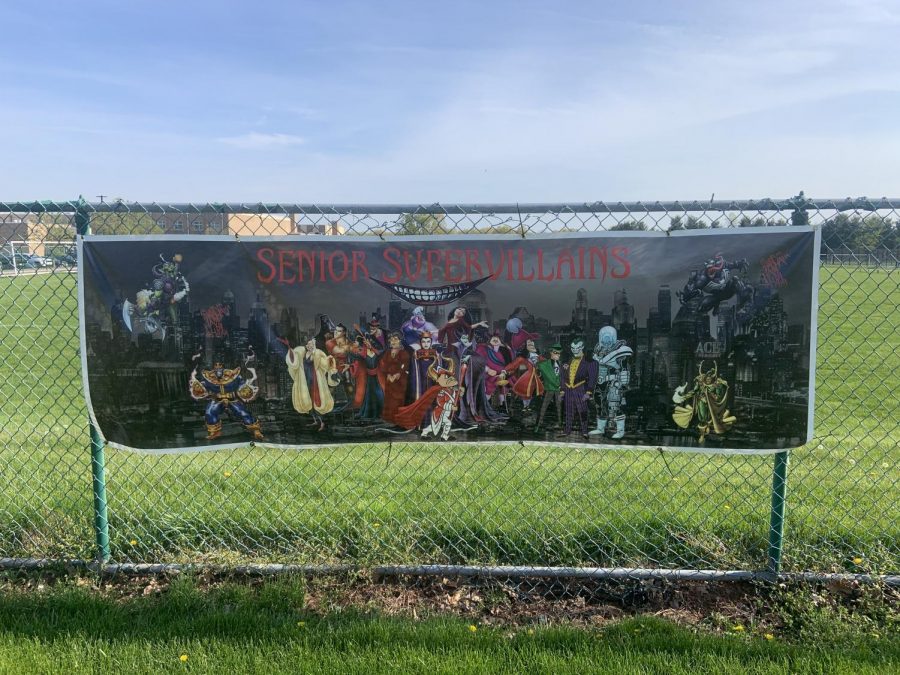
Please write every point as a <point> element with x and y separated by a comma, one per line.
<point>409,274</point>
<point>310,258</point>
<point>522,276</point>
<point>509,268</point>
<point>540,266</point>
<point>284,265</point>
<point>620,254</point>
<point>433,259</point>
<point>359,265</point>
<point>581,262</point>
<point>261,255</point>
<point>599,254</point>
<point>565,258</point>
<point>389,252</point>
<point>344,263</point>
<point>452,259</point>
<point>472,263</point>
<point>495,272</point>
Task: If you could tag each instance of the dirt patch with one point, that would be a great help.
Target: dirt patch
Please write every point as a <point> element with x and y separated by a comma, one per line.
<point>716,605</point>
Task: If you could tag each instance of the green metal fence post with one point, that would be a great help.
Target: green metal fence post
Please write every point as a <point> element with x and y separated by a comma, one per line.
<point>776,517</point>
<point>98,456</point>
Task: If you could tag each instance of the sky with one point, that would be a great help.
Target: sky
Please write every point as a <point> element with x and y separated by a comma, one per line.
<point>402,102</point>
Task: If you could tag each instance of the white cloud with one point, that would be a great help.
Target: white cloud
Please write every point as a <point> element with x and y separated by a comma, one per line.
<point>258,141</point>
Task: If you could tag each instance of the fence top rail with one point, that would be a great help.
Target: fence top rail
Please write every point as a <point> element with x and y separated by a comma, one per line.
<point>677,206</point>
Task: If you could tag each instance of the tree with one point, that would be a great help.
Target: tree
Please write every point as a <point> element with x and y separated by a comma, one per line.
<point>422,223</point>
<point>124,222</point>
<point>859,235</point>
<point>745,221</point>
<point>693,223</point>
<point>629,226</point>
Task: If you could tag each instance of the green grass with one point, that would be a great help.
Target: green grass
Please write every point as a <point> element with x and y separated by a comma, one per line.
<point>458,504</point>
<point>233,628</point>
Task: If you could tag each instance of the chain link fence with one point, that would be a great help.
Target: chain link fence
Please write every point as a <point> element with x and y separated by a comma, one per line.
<point>489,507</point>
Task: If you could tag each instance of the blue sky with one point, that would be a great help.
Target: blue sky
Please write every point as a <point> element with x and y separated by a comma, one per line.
<point>464,101</point>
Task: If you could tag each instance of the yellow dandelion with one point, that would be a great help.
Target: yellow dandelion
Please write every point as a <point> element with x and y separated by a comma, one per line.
<point>376,525</point>
<point>769,636</point>
<point>183,658</point>
<point>227,474</point>
<point>133,542</point>
<point>301,624</point>
<point>738,628</point>
<point>472,628</point>
<point>530,631</point>
<point>857,560</point>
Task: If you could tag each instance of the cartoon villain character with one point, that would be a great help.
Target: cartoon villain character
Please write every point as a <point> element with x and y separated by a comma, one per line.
<point>705,403</point>
<point>366,360</point>
<point>474,406</point>
<point>716,282</point>
<point>442,399</point>
<point>394,370</point>
<point>526,385</point>
<point>578,381</point>
<point>458,323</point>
<point>549,371</point>
<point>415,326</point>
<point>611,355</point>
<point>496,357</point>
<point>516,336</point>
<point>313,373</point>
<point>422,360</point>
<point>154,305</point>
<point>227,392</point>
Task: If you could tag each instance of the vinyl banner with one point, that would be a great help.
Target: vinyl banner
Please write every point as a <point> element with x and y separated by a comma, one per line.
<point>696,339</point>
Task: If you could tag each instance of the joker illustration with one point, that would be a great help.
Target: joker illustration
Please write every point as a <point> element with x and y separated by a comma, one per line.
<point>226,392</point>
<point>611,355</point>
<point>705,403</point>
<point>577,385</point>
<point>442,398</point>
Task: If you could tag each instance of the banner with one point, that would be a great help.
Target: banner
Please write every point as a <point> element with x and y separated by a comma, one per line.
<point>698,339</point>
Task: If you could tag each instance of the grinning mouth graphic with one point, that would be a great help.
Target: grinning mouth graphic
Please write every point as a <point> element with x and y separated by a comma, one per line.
<point>441,295</point>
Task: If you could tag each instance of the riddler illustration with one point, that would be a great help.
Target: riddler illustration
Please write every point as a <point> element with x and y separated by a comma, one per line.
<point>704,403</point>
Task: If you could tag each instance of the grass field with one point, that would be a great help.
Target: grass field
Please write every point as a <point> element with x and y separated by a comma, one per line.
<point>71,628</point>
<point>455,504</point>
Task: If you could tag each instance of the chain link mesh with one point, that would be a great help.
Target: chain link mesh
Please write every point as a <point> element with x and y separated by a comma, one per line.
<point>404,503</point>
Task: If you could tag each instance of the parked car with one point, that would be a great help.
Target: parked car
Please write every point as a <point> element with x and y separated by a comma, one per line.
<point>65,260</point>
<point>39,261</point>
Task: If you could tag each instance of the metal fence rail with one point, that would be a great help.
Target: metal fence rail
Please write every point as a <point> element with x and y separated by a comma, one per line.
<point>834,509</point>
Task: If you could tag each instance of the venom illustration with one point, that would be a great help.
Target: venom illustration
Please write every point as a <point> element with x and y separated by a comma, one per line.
<point>716,282</point>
